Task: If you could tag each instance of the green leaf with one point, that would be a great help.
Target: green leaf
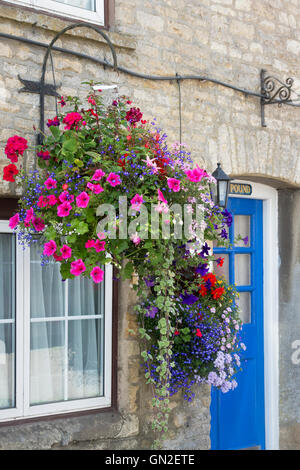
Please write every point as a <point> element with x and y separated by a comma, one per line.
<point>69,146</point>
<point>55,131</point>
<point>128,270</point>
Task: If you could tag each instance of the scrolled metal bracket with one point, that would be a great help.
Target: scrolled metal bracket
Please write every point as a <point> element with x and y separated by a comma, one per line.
<point>273,91</point>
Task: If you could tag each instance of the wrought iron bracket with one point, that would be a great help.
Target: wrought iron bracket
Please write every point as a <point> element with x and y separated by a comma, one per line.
<point>274,91</point>
<point>36,87</point>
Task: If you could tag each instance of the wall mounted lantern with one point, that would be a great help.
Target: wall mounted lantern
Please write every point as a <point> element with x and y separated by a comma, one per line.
<point>220,191</point>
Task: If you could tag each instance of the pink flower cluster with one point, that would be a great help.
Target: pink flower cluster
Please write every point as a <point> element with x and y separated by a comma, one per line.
<point>73,121</point>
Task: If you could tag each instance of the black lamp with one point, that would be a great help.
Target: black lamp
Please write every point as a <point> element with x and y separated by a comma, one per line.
<point>219,192</point>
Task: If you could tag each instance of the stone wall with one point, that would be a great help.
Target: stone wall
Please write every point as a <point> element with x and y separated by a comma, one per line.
<point>229,40</point>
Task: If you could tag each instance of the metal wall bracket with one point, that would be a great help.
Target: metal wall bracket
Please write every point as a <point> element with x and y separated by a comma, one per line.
<point>274,91</point>
<point>36,87</point>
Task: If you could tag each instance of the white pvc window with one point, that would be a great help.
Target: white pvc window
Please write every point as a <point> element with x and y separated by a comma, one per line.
<point>86,10</point>
<point>55,336</point>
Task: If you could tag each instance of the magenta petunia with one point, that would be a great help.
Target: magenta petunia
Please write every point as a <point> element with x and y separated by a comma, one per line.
<point>174,184</point>
<point>64,209</point>
<point>14,221</point>
<point>161,197</point>
<point>136,202</point>
<point>90,244</point>
<point>95,188</point>
<point>65,196</point>
<point>38,224</point>
<point>99,246</point>
<point>51,199</point>
<point>77,267</point>
<point>66,252</point>
<point>113,179</point>
<point>50,183</point>
<point>97,274</point>
<point>82,199</point>
<point>195,175</point>
<point>29,215</point>
<point>49,248</point>
<point>98,175</point>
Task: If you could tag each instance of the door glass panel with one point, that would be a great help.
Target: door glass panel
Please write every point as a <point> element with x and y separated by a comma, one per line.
<point>242,270</point>
<point>244,302</point>
<point>224,269</point>
<point>242,228</point>
<point>7,365</point>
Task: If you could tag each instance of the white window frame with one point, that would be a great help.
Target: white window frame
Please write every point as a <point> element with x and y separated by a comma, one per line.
<point>61,9</point>
<point>22,408</point>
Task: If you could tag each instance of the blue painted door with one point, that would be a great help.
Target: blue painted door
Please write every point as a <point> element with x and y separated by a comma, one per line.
<point>237,417</point>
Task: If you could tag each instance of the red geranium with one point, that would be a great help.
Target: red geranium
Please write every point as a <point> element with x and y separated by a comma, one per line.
<point>9,172</point>
<point>211,278</point>
<point>15,146</point>
<point>218,292</point>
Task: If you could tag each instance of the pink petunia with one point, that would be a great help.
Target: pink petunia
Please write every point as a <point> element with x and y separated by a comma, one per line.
<point>136,202</point>
<point>29,215</point>
<point>135,239</point>
<point>51,200</point>
<point>77,267</point>
<point>82,199</point>
<point>97,274</point>
<point>101,235</point>
<point>90,244</point>
<point>66,197</point>
<point>95,188</point>
<point>195,175</point>
<point>14,221</point>
<point>50,183</point>
<point>98,175</point>
<point>99,246</point>
<point>66,252</point>
<point>38,224</point>
<point>174,184</point>
<point>49,248</point>
<point>42,201</point>
<point>113,179</point>
<point>64,209</point>
<point>161,197</point>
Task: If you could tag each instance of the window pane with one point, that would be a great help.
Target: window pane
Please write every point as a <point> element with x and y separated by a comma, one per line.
<point>242,228</point>
<point>47,288</point>
<point>242,270</point>
<point>47,362</point>
<point>85,297</point>
<point>7,276</point>
<point>244,302</point>
<point>85,353</point>
<point>85,4</point>
<point>7,365</point>
<point>7,320</point>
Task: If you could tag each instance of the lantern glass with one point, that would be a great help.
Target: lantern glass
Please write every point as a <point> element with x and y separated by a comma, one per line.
<point>222,186</point>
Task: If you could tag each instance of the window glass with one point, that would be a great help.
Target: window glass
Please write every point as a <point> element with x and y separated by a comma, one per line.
<point>67,341</point>
<point>85,4</point>
<point>7,320</point>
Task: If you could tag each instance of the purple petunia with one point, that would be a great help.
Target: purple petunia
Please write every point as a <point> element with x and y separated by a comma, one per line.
<point>188,299</point>
<point>202,269</point>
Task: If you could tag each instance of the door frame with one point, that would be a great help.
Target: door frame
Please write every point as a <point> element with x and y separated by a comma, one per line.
<point>269,196</point>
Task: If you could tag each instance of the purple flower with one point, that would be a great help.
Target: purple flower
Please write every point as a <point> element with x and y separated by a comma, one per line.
<point>224,234</point>
<point>150,281</point>
<point>205,250</point>
<point>151,312</point>
<point>245,240</point>
<point>202,269</point>
<point>227,217</point>
<point>188,299</point>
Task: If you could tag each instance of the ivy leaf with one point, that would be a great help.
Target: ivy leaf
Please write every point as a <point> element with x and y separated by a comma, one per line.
<point>128,270</point>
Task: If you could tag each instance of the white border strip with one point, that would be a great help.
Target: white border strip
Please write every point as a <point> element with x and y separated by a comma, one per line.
<point>269,196</point>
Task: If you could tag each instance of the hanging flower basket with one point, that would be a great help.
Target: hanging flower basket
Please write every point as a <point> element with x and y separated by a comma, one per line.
<point>109,189</point>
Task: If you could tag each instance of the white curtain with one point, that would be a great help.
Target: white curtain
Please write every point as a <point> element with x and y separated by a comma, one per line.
<point>7,321</point>
<point>66,360</point>
<point>85,4</point>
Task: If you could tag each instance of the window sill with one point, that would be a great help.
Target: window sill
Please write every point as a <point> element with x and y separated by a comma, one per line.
<point>42,23</point>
